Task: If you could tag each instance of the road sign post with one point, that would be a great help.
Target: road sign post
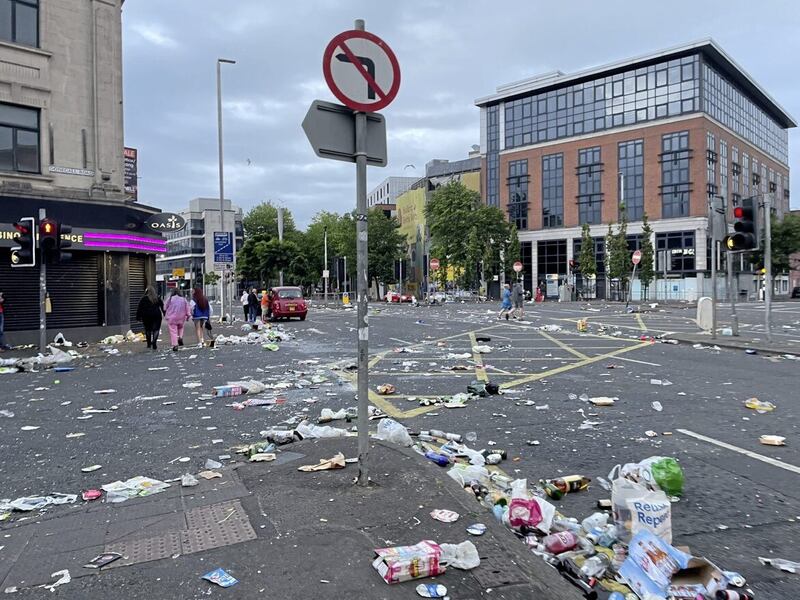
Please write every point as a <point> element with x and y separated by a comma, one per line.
<point>636,258</point>
<point>767,264</point>
<point>42,291</point>
<point>362,72</point>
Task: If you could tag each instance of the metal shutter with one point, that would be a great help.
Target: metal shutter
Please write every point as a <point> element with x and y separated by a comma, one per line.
<point>20,289</point>
<point>75,292</point>
<point>137,282</point>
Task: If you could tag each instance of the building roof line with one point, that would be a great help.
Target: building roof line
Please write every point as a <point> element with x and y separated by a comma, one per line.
<point>707,46</point>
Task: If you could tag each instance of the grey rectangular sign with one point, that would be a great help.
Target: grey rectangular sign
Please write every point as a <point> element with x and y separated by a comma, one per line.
<point>331,130</point>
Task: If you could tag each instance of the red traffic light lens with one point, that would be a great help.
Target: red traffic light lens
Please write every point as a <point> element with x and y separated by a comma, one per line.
<point>738,212</point>
<point>22,228</point>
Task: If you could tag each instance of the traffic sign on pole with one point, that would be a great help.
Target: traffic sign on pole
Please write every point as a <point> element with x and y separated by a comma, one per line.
<point>330,128</point>
<point>518,267</point>
<point>637,257</point>
<point>223,247</point>
<point>361,70</point>
<point>434,264</point>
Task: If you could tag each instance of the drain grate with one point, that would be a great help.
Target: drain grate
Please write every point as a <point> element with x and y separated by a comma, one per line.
<point>145,549</point>
<point>497,570</point>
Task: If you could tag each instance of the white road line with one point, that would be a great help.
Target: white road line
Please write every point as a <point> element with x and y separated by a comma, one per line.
<point>770,461</point>
<point>633,360</point>
<point>405,342</point>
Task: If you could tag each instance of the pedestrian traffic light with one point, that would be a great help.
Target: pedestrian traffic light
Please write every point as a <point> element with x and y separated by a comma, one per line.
<point>24,253</point>
<point>50,241</point>
<point>64,242</point>
<point>745,227</point>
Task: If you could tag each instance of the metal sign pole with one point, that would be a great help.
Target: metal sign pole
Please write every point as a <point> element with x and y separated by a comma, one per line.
<point>42,289</point>
<point>768,265</point>
<point>325,268</point>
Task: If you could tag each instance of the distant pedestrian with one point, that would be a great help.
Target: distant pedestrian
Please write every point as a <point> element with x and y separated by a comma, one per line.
<point>542,292</point>
<point>201,314</point>
<point>265,297</point>
<point>505,304</point>
<point>517,298</point>
<point>252,306</point>
<point>149,312</point>
<point>243,301</point>
<point>177,313</point>
<point>3,345</point>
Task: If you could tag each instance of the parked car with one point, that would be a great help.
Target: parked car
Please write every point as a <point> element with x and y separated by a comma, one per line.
<point>796,292</point>
<point>393,296</point>
<point>287,302</point>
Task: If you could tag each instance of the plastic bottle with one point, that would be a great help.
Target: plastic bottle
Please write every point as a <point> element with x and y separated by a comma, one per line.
<point>493,459</point>
<point>439,459</point>
<point>566,525</point>
<point>596,566</point>
<point>571,483</point>
<point>556,543</point>
<point>595,521</point>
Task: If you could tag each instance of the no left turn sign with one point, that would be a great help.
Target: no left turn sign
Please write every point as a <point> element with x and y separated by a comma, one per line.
<point>361,70</point>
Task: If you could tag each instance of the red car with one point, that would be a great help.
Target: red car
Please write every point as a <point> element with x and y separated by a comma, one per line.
<point>395,297</point>
<point>287,302</point>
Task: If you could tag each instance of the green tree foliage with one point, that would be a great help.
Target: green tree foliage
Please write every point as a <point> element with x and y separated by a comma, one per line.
<point>385,243</point>
<point>512,252</point>
<point>785,242</point>
<point>263,220</point>
<point>619,261</point>
<point>211,278</point>
<point>647,265</point>
<point>586,259</point>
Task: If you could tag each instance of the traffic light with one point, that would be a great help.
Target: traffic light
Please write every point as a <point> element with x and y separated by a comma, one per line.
<point>745,227</point>
<point>51,243</point>
<point>24,253</point>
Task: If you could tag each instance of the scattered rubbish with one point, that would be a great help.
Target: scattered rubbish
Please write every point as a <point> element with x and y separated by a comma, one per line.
<point>779,563</point>
<point>637,508</point>
<point>63,578</point>
<point>119,491</point>
<point>452,356</point>
<point>209,474</point>
<point>101,560</point>
<point>271,346</point>
<point>440,459</point>
<point>335,462</point>
<point>263,457</point>
<point>158,368</point>
<point>92,494</point>
<point>544,407</point>
<point>309,430</point>
<point>27,504</point>
<point>482,349</point>
<point>71,436</point>
<point>190,385</point>
<point>92,468</point>
<point>759,406</point>
<point>29,427</point>
<point>63,369</point>
<point>431,590</point>
<point>404,563</point>
<point>189,480</point>
<point>390,430</point>
<point>657,406</point>
<point>650,433</point>
<point>226,390</point>
<point>603,400</point>
<point>328,415</point>
<point>221,578</point>
<point>772,440</point>
<point>582,325</point>
<point>476,529</point>
<point>386,388</point>
<point>445,516</point>
<point>482,338</point>
<point>750,351</point>
<point>109,391</point>
<point>212,464</point>
<point>660,382</point>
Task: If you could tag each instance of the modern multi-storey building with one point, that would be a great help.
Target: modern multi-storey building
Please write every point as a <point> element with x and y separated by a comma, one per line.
<point>61,150</point>
<point>659,134</point>
<point>191,250</point>
<point>384,195</point>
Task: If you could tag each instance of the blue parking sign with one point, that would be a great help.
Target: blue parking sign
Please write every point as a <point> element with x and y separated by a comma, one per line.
<point>223,247</point>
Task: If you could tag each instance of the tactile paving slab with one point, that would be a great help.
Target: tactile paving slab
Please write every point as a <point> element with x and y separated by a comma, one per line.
<point>145,549</point>
<point>215,526</point>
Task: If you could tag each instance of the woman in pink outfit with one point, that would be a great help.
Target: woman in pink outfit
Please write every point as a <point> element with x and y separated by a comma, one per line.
<point>177,313</point>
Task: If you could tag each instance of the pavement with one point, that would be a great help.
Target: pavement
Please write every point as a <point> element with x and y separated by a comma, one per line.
<point>741,498</point>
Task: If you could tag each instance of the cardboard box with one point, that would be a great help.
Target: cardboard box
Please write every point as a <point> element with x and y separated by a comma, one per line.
<point>404,563</point>
<point>656,568</point>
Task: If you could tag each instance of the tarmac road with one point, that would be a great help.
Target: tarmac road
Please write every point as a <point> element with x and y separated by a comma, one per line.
<point>741,498</point>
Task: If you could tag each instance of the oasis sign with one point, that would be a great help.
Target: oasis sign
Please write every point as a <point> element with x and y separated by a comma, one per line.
<point>166,222</point>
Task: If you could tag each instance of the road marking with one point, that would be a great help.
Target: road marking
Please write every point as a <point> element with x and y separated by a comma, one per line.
<point>402,341</point>
<point>480,372</point>
<point>642,326</point>
<point>563,346</point>
<point>770,461</point>
<point>641,362</point>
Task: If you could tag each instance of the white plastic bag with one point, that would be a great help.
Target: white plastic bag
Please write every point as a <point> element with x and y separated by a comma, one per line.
<point>461,556</point>
<point>464,474</point>
<point>308,430</point>
<point>390,430</point>
<point>637,508</point>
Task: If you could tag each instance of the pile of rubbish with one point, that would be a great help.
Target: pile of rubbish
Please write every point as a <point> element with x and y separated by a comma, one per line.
<point>626,547</point>
<point>119,338</point>
<point>267,337</point>
<point>40,361</point>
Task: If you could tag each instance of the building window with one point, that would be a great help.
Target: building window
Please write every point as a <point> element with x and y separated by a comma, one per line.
<point>197,227</point>
<point>518,193</point>
<point>711,164</point>
<point>19,21</point>
<point>677,247</point>
<point>675,184</point>
<point>551,257</point>
<point>723,168</point>
<point>493,155</point>
<point>631,166</point>
<point>553,190</point>
<point>19,139</point>
<point>599,252</point>
<point>745,174</point>
<point>590,198</point>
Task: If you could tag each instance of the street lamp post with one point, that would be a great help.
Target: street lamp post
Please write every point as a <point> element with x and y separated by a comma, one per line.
<point>222,179</point>
<point>325,267</point>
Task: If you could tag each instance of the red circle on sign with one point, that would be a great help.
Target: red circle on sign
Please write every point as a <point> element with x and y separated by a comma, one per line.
<point>518,267</point>
<point>637,257</point>
<point>385,97</point>
<point>435,264</point>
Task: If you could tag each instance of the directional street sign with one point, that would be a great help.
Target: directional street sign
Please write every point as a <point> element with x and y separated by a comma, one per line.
<point>223,247</point>
<point>637,257</point>
<point>361,70</point>
<point>331,129</point>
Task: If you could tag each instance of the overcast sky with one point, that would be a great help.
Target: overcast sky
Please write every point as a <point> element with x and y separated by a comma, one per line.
<point>450,53</point>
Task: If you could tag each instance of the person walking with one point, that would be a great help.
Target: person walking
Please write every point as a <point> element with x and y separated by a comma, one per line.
<point>177,313</point>
<point>505,305</point>
<point>517,298</point>
<point>201,314</point>
<point>3,345</point>
<point>252,306</point>
<point>264,306</point>
<point>243,301</point>
<point>149,312</point>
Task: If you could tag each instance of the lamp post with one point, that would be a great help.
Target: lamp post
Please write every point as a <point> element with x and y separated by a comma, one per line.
<point>222,179</point>
<point>325,272</point>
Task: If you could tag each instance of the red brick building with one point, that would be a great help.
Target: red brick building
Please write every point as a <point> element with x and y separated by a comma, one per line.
<point>659,134</point>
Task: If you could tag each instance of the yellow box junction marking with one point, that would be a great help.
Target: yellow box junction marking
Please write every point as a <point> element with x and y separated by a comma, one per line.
<point>480,371</point>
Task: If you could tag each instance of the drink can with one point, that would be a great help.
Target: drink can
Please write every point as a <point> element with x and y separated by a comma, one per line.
<point>733,595</point>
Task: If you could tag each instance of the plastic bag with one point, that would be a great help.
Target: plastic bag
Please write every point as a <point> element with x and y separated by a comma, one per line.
<point>464,474</point>
<point>307,430</point>
<point>461,556</point>
<point>668,475</point>
<point>637,508</point>
<point>390,430</point>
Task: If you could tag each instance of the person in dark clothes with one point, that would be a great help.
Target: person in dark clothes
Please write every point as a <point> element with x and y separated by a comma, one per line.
<point>149,312</point>
<point>3,345</point>
<point>253,306</point>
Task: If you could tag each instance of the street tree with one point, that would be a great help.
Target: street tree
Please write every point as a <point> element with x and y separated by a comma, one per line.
<point>211,278</point>
<point>619,259</point>
<point>385,243</point>
<point>512,252</point>
<point>587,263</point>
<point>451,214</point>
<point>785,242</point>
<point>647,265</point>
<point>263,220</point>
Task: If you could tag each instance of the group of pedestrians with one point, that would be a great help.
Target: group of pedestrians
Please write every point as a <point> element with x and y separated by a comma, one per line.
<point>512,302</point>
<point>253,306</point>
<point>177,311</point>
